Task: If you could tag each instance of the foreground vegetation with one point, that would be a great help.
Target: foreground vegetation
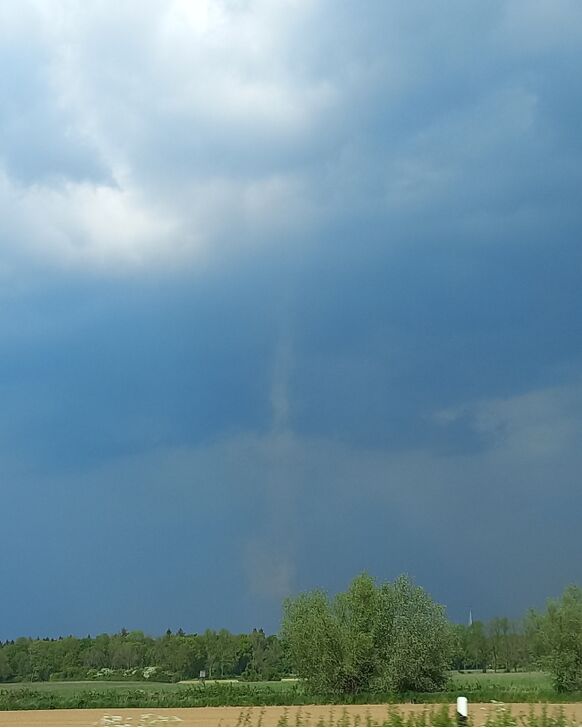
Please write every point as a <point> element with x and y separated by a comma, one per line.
<point>442,716</point>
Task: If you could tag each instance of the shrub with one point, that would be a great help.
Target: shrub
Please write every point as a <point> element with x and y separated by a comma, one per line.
<point>392,637</point>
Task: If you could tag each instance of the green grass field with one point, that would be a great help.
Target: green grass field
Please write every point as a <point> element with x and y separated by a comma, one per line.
<point>279,685</point>
<point>70,687</point>
<point>75,686</point>
<point>517,679</point>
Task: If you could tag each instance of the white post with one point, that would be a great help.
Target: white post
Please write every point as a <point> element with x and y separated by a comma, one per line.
<point>462,711</point>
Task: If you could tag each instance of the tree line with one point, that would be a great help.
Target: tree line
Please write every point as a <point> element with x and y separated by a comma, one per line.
<point>135,656</point>
<point>549,640</point>
<point>373,637</point>
<point>500,644</point>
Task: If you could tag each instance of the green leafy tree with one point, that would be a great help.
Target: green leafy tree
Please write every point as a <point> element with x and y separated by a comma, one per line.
<point>5,671</point>
<point>419,637</point>
<point>478,646</point>
<point>517,652</point>
<point>41,664</point>
<point>460,652</point>
<point>313,638</point>
<point>226,645</point>
<point>389,637</point>
<point>265,657</point>
<point>559,639</point>
<point>244,654</point>
<point>211,645</point>
<point>497,632</point>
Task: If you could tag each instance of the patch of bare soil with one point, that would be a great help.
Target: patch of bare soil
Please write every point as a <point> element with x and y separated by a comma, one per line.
<point>306,715</point>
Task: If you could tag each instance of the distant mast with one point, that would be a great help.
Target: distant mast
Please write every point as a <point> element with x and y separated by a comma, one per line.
<point>470,618</point>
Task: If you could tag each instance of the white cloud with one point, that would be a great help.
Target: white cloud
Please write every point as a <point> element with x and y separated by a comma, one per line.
<point>539,425</point>
<point>167,96</point>
<point>536,426</point>
<point>83,224</point>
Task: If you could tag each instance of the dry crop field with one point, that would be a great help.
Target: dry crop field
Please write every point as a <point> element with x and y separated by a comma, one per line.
<point>308,715</point>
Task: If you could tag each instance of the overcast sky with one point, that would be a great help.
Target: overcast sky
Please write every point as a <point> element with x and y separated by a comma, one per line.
<point>288,290</point>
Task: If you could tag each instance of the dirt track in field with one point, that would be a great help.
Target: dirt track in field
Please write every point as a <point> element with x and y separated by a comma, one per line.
<point>309,715</point>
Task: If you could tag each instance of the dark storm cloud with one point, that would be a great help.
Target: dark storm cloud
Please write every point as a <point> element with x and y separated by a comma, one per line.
<point>297,289</point>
